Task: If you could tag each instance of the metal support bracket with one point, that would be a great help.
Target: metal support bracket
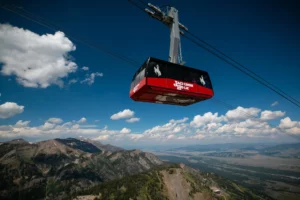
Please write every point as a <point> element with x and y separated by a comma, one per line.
<point>170,19</point>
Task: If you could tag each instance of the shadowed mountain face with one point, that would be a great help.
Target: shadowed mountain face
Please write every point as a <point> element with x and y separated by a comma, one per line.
<point>99,145</point>
<point>79,144</point>
<point>67,168</point>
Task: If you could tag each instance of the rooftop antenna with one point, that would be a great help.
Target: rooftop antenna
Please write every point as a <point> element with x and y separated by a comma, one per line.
<point>170,18</point>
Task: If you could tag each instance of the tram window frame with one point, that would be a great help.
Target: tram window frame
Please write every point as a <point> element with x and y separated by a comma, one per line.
<point>193,76</point>
<point>139,75</point>
<point>207,79</point>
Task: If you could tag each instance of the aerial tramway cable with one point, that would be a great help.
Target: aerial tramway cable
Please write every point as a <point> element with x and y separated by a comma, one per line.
<point>51,26</point>
<point>233,63</point>
<point>238,63</point>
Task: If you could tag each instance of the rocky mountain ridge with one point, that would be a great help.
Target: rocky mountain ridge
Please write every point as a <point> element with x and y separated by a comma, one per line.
<point>85,169</point>
<point>62,166</point>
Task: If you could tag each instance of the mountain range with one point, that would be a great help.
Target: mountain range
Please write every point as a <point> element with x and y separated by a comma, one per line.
<point>80,168</point>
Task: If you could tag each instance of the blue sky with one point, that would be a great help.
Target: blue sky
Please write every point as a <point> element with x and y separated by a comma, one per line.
<point>262,36</point>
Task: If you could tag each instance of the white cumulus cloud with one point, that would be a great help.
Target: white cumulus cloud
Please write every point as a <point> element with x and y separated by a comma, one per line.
<point>90,79</point>
<point>36,60</point>
<point>247,127</point>
<point>275,103</point>
<point>241,113</point>
<point>102,137</point>
<point>47,126</point>
<point>127,113</point>
<point>21,123</point>
<point>269,115</point>
<point>201,120</point>
<point>170,128</point>
<point>135,137</point>
<point>132,120</point>
<point>180,120</point>
<point>82,120</point>
<point>55,120</point>
<point>212,126</point>
<point>199,136</point>
<point>125,130</point>
<point>287,123</point>
<point>289,126</point>
<point>10,109</point>
<point>170,137</point>
<point>85,68</point>
<point>72,81</point>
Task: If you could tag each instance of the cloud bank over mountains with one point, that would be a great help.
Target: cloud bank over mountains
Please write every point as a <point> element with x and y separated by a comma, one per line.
<point>234,123</point>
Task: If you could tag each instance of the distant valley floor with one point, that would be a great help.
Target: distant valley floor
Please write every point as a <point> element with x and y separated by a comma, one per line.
<point>275,175</point>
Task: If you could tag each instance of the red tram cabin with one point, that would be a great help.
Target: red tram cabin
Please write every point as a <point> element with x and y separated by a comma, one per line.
<point>158,81</point>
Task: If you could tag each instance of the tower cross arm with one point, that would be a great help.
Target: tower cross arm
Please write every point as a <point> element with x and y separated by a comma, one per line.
<point>171,20</point>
